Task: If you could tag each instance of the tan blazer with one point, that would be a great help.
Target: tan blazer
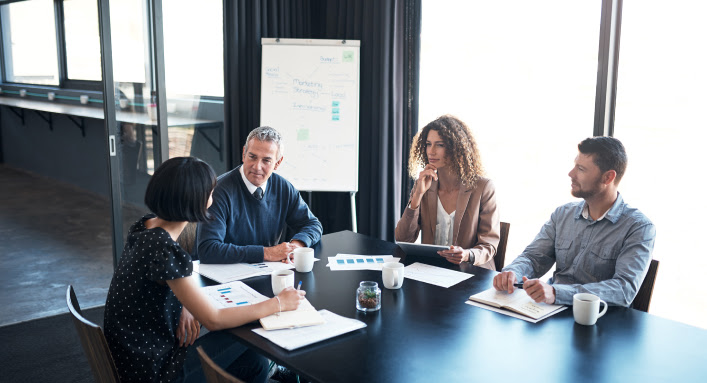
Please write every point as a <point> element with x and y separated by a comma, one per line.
<point>476,224</point>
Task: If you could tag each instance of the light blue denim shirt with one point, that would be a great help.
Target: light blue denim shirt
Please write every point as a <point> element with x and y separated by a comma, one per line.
<point>608,257</point>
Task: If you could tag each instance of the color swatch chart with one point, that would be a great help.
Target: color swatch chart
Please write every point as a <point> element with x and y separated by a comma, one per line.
<point>359,262</point>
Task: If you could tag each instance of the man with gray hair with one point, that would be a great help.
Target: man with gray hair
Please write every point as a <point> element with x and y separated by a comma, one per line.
<point>252,209</point>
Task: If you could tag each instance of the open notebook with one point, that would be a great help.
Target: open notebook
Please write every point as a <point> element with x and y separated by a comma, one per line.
<point>305,315</point>
<point>516,303</point>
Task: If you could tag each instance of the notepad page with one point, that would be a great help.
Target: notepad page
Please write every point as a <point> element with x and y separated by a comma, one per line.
<point>518,301</point>
<point>500,298</point>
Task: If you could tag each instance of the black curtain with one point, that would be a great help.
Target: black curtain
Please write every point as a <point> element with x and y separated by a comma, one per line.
<point>245,22</point>
<point>389,35</point>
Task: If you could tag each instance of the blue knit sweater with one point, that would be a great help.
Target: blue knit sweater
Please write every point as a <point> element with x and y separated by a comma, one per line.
<point>242,226</point>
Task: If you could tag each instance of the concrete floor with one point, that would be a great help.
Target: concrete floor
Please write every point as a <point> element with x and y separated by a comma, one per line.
<point>51,235</point>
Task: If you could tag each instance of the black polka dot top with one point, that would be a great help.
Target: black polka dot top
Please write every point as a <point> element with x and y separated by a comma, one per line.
<point>142,314</point>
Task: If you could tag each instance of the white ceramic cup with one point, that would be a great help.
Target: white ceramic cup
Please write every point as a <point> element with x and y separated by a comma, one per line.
<point>393,275</point>
<point>585,308</point>
<point>304,259</point>
<point>281,280</point>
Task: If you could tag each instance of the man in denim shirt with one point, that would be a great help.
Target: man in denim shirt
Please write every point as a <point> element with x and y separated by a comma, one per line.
<point>601,245</point>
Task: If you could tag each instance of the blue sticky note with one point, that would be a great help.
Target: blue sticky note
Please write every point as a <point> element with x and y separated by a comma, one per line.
<point>359,260</point>
<point>241,303</point>
<point>335,103</point>
<point>335,110</point>
<point>379,260</point>
<point>340,261</point>
<point>369,260</point>
<point>349,261</point>
<point>335,117</point>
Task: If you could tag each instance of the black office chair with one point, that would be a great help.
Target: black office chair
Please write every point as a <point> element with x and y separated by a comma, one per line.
<point>643,298</point>
<point>93,341</point>
<point>500,258</point>
<point>214,373</point>
<point>187,238</point>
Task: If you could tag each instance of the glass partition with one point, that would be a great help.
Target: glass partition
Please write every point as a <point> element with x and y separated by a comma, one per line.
<point>193,41</point>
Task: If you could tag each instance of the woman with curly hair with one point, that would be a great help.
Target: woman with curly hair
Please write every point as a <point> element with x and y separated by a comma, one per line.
<point>451,202</point>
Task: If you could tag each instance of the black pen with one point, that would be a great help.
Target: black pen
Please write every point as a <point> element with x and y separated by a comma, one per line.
<point>518,285</point>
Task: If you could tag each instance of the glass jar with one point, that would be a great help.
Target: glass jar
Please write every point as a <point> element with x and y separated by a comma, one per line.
<point>368,296</point>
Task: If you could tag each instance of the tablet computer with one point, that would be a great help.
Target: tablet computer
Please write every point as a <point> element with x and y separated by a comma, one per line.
<point>421,249</point>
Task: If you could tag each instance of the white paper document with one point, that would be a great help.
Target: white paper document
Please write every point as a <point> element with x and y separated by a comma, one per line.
<point>233,294</point>
<point>435,275</point>
<point>291,339</point>
<point>223,273</point>
<point>359,262</point>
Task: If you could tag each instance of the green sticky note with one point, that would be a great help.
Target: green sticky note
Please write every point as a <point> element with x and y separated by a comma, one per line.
<point>302,134</point>
<point>348,56</point>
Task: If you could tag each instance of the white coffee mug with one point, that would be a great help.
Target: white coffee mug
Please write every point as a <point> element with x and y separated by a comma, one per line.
<point>304,259</point>
<point>281,280</point>
<point>393,275</point>
<point>585,308</point>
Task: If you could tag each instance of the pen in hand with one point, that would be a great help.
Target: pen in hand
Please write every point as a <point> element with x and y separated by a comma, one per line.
<point>518,285</point>
<point>299,285</point>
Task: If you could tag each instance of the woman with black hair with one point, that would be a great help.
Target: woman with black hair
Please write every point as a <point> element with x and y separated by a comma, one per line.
<point>154,307</point>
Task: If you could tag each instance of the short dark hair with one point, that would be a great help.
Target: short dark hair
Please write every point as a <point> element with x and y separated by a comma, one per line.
<point>180,189</point>
<point>608,153</point>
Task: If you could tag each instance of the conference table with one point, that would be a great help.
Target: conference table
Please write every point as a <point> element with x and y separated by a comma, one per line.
<point>425,332</point>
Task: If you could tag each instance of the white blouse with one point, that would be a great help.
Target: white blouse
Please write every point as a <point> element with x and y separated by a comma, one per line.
<point>444,231</point>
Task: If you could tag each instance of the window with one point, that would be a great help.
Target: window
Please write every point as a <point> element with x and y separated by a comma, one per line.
<point>193,47</point>
<point>83,46</point>
<point>660,118</point>
<point>30,47</point>
<point>129,40</point>
<point>523,76</point>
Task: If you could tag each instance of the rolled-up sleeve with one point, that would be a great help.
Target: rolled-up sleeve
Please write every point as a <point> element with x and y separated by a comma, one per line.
<point>539,256</point>
<point>631,267</point>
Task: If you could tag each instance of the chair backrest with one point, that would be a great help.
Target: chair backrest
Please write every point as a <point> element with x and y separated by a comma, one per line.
<point>93,341</point>
<point>187,238</point>
<point>214,373</point>
<point>500,258</point>
<point>643,298</point>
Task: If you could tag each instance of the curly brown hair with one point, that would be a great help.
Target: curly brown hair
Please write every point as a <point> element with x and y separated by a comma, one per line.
<point>460,146</point>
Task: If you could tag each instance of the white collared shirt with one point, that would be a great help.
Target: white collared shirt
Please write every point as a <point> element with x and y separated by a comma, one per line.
<point>444,232</point>
<point>250,186</point>
<point>585,213</point>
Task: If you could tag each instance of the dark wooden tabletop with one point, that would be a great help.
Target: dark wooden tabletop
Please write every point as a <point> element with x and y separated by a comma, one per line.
<point>427,333</point>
